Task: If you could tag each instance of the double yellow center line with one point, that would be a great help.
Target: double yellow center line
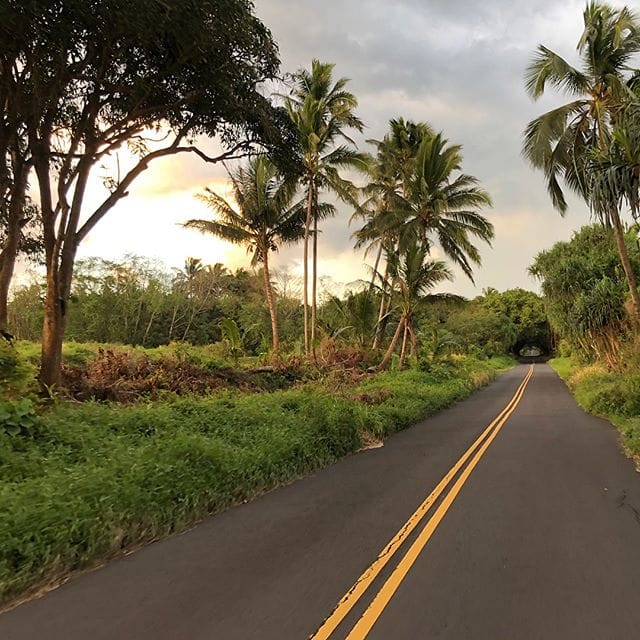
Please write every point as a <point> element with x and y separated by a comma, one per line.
<point>384,595</point>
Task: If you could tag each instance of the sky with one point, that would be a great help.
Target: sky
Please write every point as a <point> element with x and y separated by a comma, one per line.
<point>457,64</point>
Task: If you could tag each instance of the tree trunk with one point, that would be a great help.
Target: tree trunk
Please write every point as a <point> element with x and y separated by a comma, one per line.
<point>414,343</point>
<point>314,287</point>
<point>173,320</point>
<point>52,335</point>
<point>11,247</point>
<point>59,275</point>
<point>403,351</point>
<point>381,325</point>
<point>628,269</point>
<point>60,251</point>
<point>305,292</point>
<point>146,331</point>
<point>392,346</point>
<point>271,302</point>
<point>7,265</point>
<point>375,268</point>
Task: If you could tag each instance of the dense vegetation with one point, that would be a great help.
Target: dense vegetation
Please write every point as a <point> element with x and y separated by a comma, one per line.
<point>82,482</point>
<point>586,292</point>
<point>180,393</point>
<point>613,394</point>
<point>140,303</point>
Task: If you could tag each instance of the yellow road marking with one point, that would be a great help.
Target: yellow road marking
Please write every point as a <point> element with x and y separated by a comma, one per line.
<point>368,576</point>
<point>382,598</point>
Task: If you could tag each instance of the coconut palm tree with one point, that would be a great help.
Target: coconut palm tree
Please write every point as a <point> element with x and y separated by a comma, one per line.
<point>442,204</point>
<point>323,112</point>
<point>266,216</point>
<point>562,141</point>
<point>386,200</point>
<point>614,174</point>
<point>414,275</point>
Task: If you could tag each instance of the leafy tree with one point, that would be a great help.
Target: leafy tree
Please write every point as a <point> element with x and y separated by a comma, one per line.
<point>322,112</point>
<point>353,317</point>
<point>614,173</point>
<point>420,195</point>
<point>527,311</point>
<point>91,78</point>
<point>562,142</point>
<point>25,311</point>
<point>267,216</point>
<point>479,330</point>
<point>385,194</point>
<point>584,288</point>
<point>443,204</point>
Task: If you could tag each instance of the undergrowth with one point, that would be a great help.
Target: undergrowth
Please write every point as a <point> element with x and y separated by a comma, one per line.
<point>84,481</point>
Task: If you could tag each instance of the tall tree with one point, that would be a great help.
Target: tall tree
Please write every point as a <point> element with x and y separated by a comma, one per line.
<point>322,111</point>
<point>15,157</point>
<point>562,141</point>
<point>266,216</point>
<point>385,201</point>
<point>95,77</point>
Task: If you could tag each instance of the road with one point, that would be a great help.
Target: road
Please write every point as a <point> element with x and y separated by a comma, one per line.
<point>535,535</point>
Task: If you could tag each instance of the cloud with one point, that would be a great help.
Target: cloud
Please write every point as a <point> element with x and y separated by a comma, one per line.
<point>457,64</point>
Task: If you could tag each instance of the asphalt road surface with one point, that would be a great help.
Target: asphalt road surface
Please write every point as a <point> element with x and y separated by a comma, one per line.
<point>511,515</point>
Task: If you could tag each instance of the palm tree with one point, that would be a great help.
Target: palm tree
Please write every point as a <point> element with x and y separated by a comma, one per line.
<point>322,112</point>
<point>561,142</point>
<point>356,314</point>
<point>442,204</point>
<point>614,174</point>
<point>266,216</point>
<point>385,200</point>
<point>414,274</point>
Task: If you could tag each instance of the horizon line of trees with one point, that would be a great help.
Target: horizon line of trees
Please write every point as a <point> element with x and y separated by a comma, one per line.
<point>142,303</point>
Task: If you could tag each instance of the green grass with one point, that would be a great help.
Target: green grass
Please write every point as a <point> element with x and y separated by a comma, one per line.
<point>608,394</point>
<point>89,480</point>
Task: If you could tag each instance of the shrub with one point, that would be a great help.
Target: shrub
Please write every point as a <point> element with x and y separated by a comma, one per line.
<point>16,374</point>
<point>17,417</point>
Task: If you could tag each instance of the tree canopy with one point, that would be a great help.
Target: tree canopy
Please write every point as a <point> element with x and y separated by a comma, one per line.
<point>584,288</point>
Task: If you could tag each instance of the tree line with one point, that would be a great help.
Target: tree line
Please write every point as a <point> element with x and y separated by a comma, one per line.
<point>140,302</point>
<point>78,83</point>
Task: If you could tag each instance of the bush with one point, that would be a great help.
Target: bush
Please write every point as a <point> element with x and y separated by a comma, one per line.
<point>17,417</point>
<point>16,374</point>
<point>614,394</point>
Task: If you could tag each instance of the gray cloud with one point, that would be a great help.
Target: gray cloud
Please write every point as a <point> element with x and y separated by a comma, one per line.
<point>459,65</point>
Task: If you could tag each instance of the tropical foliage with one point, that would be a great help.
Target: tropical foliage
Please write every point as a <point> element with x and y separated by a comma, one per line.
<point>323,112</point>
<point>585,291</point>
<point>267,216</point>
<point>588,143</point>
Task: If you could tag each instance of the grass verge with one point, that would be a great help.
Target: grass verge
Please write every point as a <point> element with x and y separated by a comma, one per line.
<point>614,396</point>
<point>83,482</point>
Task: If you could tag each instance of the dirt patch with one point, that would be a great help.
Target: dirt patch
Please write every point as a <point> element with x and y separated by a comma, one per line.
<point>122,376</point>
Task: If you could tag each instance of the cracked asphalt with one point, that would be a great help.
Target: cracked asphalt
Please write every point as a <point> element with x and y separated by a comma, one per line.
<point>541,542</point>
